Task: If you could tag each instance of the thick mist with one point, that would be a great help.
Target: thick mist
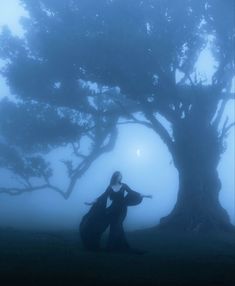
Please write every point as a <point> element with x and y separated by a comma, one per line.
<point>139,154</point>
<point>146,166</point>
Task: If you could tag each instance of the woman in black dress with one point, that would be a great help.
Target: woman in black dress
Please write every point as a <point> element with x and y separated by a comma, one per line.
<point>99,217</point>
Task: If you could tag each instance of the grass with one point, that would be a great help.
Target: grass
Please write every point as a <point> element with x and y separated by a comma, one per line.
<point>57,258</point>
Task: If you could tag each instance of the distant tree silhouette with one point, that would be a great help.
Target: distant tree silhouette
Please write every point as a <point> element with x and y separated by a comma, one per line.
<point>142,56</point>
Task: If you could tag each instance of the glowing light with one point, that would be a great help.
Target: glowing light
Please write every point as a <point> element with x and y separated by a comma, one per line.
<point>138,153</point>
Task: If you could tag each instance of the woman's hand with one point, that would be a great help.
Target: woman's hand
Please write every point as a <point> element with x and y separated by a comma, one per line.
<point>147,196</point>
<point>89,204</point>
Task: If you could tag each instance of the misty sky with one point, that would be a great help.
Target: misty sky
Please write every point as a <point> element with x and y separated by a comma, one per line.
<point>139,154</point>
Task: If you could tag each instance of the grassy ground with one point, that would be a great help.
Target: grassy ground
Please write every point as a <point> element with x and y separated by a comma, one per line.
<point>33,258</point>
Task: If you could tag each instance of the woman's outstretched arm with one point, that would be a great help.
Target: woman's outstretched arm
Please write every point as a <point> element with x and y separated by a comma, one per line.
<point>129,190</point>
<point>103,195</point>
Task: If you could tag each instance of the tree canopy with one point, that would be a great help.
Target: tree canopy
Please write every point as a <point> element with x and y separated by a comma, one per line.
<point>84,66</point>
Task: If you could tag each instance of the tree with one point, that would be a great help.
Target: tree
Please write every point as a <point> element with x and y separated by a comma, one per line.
<point>136,49</point>
<point>30,130</point>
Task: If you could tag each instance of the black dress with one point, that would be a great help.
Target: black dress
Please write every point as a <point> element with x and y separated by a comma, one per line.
<point>99,217</point>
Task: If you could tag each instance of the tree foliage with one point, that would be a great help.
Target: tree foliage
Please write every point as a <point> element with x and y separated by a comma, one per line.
<point>84,65</point>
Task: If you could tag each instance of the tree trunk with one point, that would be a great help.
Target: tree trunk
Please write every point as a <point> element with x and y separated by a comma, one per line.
<point>197,154</point>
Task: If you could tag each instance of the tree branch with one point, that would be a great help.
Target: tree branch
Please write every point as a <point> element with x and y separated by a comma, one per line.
<point>19,191</point>
<point>153,124</point>
<point>75,151</point>
<point>229,127</point>
<point>161,130</point>
<point>226,128</point>
<point>135,121</point>
<point>83,166</point>
<point>220,112</point>
<point>131,116</point>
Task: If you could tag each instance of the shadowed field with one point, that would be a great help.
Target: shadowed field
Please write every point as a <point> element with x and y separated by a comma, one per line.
<point>57,258</point>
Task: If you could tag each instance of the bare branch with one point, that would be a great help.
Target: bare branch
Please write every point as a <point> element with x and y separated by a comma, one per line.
<point>153,124</point>
<point>161,130</point>
<point>112,140</point>
<point>18,191</point>
<point>127,113</point>
<point>226,128</point>
<point>220,112</point>
<point>136,121</point>
<point>75,151</point>
<point>83,166</point>
<point>186,77</point>
<point>229,127</point>
<point>132,117</point>
<point>21,180</point>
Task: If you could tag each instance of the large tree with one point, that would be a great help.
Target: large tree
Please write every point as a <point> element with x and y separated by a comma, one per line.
<point>141,55</point>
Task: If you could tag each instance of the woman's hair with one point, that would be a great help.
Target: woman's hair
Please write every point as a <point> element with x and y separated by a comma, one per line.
<point>114,178</point>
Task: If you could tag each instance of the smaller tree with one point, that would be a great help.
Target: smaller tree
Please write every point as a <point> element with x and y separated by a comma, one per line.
<point>31,130</point>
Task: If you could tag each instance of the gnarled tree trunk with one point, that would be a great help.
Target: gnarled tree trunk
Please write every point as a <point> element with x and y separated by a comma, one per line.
<point>196,155</point>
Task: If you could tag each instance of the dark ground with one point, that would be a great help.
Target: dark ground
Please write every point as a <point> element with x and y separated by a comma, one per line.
<point>57,258</point>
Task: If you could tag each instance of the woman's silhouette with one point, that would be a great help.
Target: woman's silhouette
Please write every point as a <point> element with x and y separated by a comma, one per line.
<point>99,217</point>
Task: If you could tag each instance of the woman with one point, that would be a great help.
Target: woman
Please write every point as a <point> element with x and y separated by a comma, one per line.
<point>100,216</point>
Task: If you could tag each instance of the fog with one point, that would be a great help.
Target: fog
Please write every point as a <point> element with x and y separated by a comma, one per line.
<point>139,154</point>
